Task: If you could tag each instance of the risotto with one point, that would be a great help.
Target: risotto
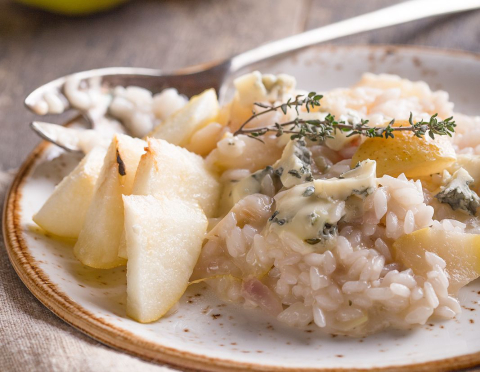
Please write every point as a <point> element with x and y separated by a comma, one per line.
<point>350,230</point>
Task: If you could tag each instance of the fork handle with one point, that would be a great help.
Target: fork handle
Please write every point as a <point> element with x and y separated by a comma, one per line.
<point>390,16</point>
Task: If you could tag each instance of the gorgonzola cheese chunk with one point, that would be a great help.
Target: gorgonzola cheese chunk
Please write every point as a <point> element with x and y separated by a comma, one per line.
<point>294,165</point>
<point>255,87</point>
<point>312,210</point>
<point>458,194</point>
<point>361,181</point>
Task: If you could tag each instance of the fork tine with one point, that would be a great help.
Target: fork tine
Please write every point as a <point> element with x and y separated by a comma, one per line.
<point>189,81</point>
<point>35,100</point>
<point>57,135</point>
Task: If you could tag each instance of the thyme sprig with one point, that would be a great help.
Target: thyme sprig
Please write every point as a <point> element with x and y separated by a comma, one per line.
<point>320,130</point>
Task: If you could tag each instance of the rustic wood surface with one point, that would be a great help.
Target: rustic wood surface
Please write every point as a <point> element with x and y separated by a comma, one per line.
<point>36,47</point>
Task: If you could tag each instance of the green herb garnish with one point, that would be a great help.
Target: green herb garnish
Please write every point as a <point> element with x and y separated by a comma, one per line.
<point>320,130</point>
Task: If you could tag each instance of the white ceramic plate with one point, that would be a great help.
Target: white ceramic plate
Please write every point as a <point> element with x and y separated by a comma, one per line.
<point>205,333</point>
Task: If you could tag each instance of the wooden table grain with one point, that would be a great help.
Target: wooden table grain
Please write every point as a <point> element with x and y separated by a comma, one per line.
<point>36,47</point>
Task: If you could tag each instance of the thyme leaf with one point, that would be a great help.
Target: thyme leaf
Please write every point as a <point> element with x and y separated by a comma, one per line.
<point>320,130</point>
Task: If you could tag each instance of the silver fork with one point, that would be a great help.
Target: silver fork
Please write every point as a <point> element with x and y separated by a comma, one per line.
<point>218,75</point>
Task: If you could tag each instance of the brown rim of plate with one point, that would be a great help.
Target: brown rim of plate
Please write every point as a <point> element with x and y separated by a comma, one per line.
<point>74,314</point>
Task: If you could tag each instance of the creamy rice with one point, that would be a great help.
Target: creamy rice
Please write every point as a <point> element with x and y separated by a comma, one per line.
<point>355,287</point>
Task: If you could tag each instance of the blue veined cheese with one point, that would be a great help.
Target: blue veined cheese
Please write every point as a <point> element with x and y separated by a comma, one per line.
<point>302,214</point>
<point>257,183</point>
<point>471,163</point>
<point>294,167</point>
<point>358,181</point>
<point>458,195</point>
<point>291,169</point>
<point>255,87</point>
<point>311,211</point>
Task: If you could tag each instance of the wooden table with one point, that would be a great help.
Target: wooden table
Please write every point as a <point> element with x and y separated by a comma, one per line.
<point>36,47</point>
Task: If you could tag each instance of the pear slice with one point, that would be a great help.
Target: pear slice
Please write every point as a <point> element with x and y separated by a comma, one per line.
<point>164,238</point>
<point>173,171</point>
<point>460,251</point>
<point>64,212</point>
<point>99,240</point>
<point>408,154</point>
<point>196,114</point>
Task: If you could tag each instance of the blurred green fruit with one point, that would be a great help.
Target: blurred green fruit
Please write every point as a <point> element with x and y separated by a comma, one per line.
<point>73,7</point>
